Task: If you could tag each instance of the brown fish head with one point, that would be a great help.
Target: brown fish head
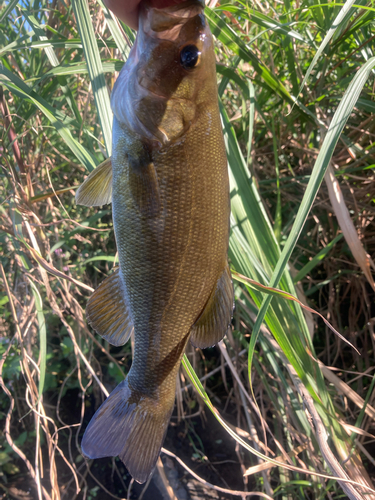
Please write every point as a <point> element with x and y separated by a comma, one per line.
<point>170,73</point>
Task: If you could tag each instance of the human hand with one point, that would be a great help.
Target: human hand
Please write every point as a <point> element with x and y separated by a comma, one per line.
<point>127,10</point>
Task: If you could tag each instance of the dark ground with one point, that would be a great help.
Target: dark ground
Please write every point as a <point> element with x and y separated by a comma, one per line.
<point>190,439</point>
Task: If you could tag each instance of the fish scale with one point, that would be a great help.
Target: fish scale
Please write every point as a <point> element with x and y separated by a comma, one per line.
<point>170,199</point>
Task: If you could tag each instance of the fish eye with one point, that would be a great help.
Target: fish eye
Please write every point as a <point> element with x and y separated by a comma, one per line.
<point>189,56</point>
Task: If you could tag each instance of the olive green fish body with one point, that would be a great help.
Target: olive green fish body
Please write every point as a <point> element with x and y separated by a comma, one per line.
<point>170,262</point>
<point>170,198</point>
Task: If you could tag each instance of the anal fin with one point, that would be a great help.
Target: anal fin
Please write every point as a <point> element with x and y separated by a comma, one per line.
<point>213,323</point>
<point>96,189</point>
<point>107,311</point>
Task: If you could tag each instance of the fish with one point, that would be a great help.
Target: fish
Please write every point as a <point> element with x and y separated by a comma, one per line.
<point>168,184</point>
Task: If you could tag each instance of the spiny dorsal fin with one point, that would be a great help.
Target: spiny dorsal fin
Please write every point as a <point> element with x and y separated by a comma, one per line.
<point>107,311</point>
<point>215,319</point>
<point>96,189</point>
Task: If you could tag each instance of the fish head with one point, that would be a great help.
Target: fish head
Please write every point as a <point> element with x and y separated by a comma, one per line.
<point>170,73</point>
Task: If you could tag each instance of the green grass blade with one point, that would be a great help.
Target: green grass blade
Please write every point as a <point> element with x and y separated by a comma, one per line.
<point>278,215</point>
<point>21,86</point>
<point>16,45</point>
<point>94,64</point>
<point>71,43</point>
<point>263,20</point>
<point>231,74</point>
<point>40,44</point>
<point>231,40</point>
<point>338,123</point>
<point>251,120</point>
<point>16,85</point>
<point>285,295</point>
<point>317,259</point>
<point>42,338</point>
<point>361,415</point>
<point>362,20</point>
<point>251,224</point>
<point>76,69</point>
<point>203,394</point>
<point>115,29</point>
<point>54,62</point>
<point>336,23</point>
<point>8,9</point>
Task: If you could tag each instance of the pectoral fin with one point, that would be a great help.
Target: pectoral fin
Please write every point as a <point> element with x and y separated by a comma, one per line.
<point>107,311</point>
<point>96,190</point>
<point>144,187</point>
<point>214,321</point>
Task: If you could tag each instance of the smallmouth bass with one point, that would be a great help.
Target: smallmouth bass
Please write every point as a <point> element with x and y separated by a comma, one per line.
<point>168,183</point>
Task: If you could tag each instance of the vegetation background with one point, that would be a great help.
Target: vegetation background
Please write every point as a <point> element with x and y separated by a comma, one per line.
<point>296,86</point>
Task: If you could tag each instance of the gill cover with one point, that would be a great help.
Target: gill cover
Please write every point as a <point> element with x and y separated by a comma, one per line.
<point>165,78</point>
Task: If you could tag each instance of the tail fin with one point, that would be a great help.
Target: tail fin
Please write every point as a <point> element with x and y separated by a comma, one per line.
<point>130,425</point>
